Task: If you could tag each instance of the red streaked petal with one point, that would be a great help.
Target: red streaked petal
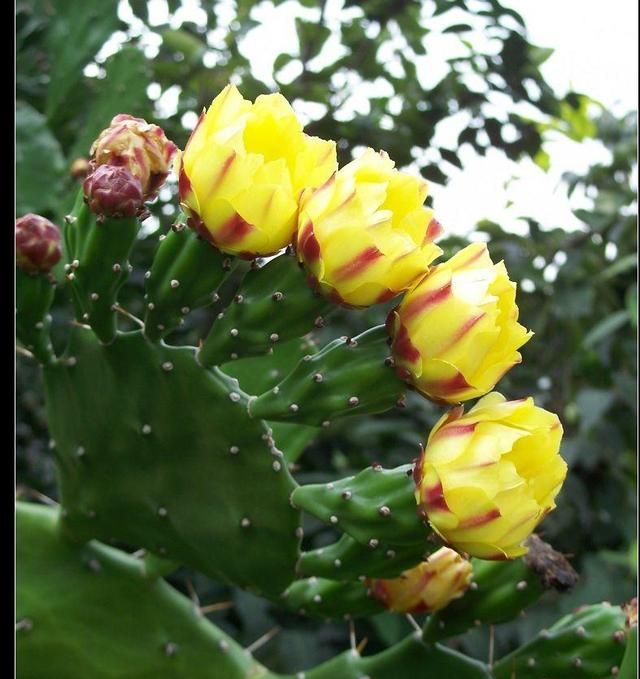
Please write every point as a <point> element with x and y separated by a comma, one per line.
<point>358,264</point>
<point>434,230</point>
<point>403,348</point>
<point>308,245</point>
<point>481,519</point>
<point>425,300</point>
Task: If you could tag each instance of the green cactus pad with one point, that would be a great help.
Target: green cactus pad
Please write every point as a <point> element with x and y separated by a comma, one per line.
<point>34,294</point>
<point>347,377</point>
<point>629,666</point>
<point>588,644</point>
<point>273,304</point>
<point>499,591</point>
<point>259,373</point>
<point>98,255</point>
<point>96,615</point>
<point>322,598</point>
<point>158,453</point>
<point>376,503</point>
<point>408,659</point>
<point>185,274</point>
<point>348,559</point>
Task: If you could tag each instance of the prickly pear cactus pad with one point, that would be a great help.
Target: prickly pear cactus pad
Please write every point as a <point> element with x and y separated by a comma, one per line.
<point>184,447</point>
<point>163,456</point>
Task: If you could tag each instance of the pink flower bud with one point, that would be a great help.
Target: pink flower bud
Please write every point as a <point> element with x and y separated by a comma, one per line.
<point>37,244</point>
<point>139,146</point>
<point>113,192</point>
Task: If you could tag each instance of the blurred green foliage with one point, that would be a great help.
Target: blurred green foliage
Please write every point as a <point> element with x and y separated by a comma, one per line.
<point>578,290</point>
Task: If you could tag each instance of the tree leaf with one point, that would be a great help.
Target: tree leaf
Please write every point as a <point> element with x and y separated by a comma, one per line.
<point>40,165</point>
<point>122,91</point>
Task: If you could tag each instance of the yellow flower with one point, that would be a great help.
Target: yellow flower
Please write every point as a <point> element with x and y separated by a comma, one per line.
<point>428,587</point>
<point>457,332</point>
<point>139,146</point>
<point>243,170</point>
<point>365,235</point>
<point>486,479</point>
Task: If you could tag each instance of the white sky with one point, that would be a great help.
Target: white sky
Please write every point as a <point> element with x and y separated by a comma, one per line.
<point>596,50</point>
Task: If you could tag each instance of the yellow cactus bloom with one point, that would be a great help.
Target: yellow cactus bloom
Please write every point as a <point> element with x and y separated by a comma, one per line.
<point>365,235</point>
<point>486,479</point>
<point>243,170</point>
<point>457,333</point>
<point>139,146</point>
<point>428,587</point>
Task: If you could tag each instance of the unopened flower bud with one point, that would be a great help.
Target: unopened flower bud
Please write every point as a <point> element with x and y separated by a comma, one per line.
<point>113,192</point>
<point>37,244</point>
<point>140,147</point>
<point>428,587</point>
<point>79,168</point>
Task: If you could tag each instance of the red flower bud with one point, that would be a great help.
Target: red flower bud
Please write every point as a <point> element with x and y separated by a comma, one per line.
<point>113,192</point>
<point>37,244</point>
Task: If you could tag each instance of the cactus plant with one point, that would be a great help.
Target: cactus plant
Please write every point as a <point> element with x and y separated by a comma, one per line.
<point>187,452</point>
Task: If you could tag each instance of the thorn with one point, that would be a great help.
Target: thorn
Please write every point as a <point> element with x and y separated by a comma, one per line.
<point>319,322</point>
<point>193,594</point>
<point>274,337</point>
<point>265,638</point>
<point>126,314</point>
<point>491,646</point>
<point>353,401</point>
<point>413,623</point>
<point>167,366</point>
<point>174,283</point>
<point>352,636</point>
<point>238,299</point>
<point>116,268</point>
<point>277,296</point>
<point>384,511</point>
<point>220,606</point>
